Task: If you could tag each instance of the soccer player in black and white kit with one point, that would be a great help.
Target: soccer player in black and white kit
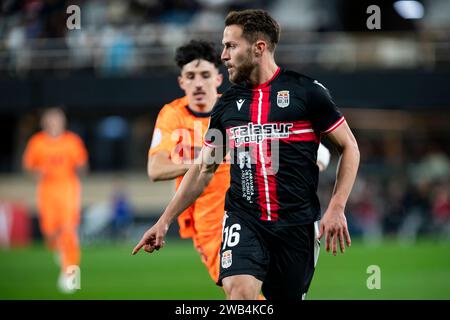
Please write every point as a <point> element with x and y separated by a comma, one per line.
<point>271,121</point>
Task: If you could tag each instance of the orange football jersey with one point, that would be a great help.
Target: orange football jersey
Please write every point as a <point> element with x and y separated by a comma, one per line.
<point>55,158</point>
<point>179,131</point>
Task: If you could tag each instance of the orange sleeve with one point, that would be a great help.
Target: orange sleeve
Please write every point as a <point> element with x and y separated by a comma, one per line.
<point>79,152</point>
<point>30,160</point>
<point>164,135</point>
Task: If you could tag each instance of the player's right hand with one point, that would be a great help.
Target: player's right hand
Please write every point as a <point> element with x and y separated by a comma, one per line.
<point>153,238</point>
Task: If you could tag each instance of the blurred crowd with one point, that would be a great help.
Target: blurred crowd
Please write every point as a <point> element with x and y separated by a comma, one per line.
<point>404,200</point>
<point>129,35</point>
<point>47,18</point>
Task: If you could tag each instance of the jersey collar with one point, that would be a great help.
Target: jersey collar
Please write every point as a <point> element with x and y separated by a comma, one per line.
<point>265,84</point>
<point>198,114</point>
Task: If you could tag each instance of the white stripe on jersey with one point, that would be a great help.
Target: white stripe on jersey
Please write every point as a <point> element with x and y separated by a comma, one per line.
<point>261,155</point>
<point>302,131</point>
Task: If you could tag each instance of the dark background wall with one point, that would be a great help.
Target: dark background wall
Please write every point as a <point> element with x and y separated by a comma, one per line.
<point>407,90</point>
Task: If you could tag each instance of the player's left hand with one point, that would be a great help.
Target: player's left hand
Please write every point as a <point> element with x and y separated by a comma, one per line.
<point>334,226</point>
<point>153,238</point>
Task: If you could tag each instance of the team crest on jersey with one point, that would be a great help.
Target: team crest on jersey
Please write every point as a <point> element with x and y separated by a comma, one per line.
<point>283,98</point>
<point>227,259</point>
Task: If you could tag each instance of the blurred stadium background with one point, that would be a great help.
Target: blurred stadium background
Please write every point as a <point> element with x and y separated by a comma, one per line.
<point>114,74</point>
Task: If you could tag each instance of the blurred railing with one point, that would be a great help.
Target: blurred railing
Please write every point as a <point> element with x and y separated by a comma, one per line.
<point>122,51</point>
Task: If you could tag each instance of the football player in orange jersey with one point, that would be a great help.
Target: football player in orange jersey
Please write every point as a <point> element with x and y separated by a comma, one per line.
<point>177,140</point>
<point>55,157</point>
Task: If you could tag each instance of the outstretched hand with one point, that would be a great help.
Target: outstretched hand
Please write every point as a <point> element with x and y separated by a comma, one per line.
<point>334,226</point>
<point>153,238</point>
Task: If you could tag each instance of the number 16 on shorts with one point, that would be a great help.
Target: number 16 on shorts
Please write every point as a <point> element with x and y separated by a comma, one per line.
<point>231,238</point>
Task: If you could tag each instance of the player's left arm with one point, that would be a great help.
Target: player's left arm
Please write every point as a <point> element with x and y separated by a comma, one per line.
<point>334,224</point>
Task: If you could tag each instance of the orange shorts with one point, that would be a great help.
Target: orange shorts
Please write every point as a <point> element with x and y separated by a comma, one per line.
<point>208,246</point>
<point>58,210</point>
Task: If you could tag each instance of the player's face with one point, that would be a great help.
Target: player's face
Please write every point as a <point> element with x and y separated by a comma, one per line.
<point>54,122</point>
<point>237,54</point>
<point>200,79</point>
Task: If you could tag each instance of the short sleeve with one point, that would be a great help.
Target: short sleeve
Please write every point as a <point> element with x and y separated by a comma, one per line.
<point>80,153</point>
<point>215,136</point>
<point>166,124</point>
<point>325,115</point>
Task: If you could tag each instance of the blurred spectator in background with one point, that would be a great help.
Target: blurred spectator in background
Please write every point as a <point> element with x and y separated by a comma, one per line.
<point>365,210</point>
<point>111,140</point>
<point>110,218</point>
<point>55,157</point>
<point>122,212</point>
<point>394,211</point>
<point>441,210</point>
<point>427,176</point>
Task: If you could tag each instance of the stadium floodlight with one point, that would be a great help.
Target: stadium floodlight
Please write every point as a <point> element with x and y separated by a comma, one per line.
<point>409,9</point>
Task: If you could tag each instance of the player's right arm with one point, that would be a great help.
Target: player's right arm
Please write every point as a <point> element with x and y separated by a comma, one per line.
<point>194,182</point>
<point>160,167</point>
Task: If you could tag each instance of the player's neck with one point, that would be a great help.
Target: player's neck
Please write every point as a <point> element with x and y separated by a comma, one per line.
<point>54,135</point>
<point>263,73</point>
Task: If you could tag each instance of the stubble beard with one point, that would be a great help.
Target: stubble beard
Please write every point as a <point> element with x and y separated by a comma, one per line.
<point>243,72</point>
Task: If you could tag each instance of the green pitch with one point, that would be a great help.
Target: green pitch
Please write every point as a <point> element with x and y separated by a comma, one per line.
<point>110,272</point>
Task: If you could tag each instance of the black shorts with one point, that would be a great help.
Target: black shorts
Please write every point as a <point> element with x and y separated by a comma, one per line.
<point>282,257</point>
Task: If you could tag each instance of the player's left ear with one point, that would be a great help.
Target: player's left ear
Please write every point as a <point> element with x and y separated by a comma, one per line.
<point>259,48</point>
